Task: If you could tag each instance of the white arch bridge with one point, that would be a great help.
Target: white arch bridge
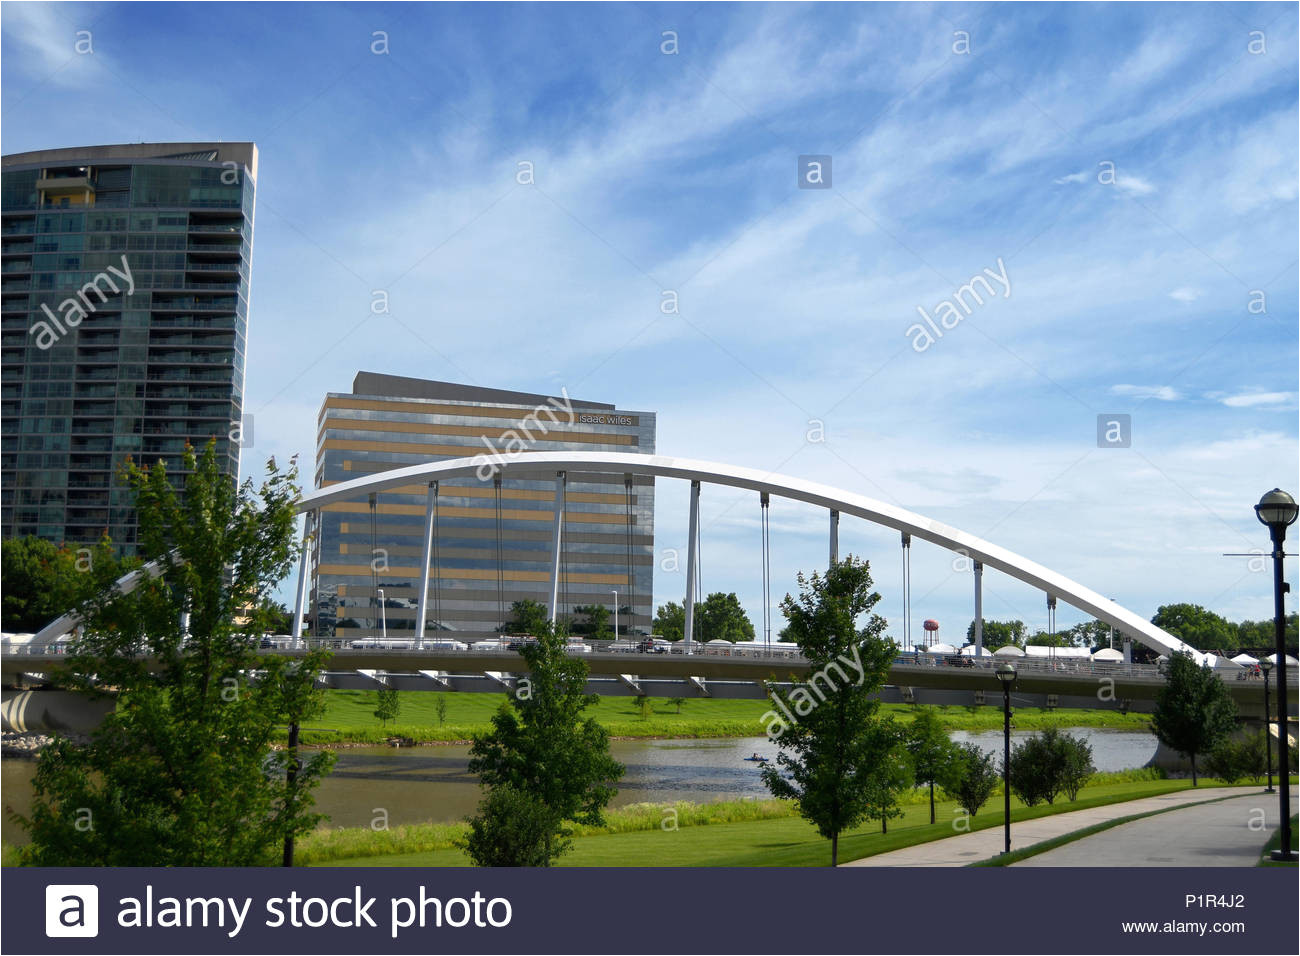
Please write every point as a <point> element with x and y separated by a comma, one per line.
<point>557,465</point>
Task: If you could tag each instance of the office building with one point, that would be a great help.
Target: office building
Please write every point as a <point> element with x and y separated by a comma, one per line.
<point>125,317</point>
<point>494,544</point>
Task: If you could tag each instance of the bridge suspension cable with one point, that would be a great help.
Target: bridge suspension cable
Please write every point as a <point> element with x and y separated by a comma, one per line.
<point>631,579</point>
<point>907,591</point>
<point>501,605</point>
<point>437,567</point>
<point>374,565</point>
<point>764,503</point>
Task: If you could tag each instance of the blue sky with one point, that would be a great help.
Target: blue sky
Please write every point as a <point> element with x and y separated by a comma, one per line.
<point>1132,167</point>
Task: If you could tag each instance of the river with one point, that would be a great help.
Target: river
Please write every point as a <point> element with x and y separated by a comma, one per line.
<point>433,783</point>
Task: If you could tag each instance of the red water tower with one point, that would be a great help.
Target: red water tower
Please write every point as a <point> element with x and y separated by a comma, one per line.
<point>931,632</point>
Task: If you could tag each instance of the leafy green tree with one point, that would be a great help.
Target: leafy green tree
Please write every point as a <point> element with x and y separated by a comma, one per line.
<point>670,622</point>
<point>513,828</point>
<point>1043,639</point>
<point>999,633</point>
<point>541,744</point>
<point>183,772</point>
<point>387,705</point>
<point>893,776</point>
<point>1204,630</point>
<point>1259,634</point>
<point>834,745</point>
<point>440,708</point>
<point>1038,768</point>
<point>592,620</point>
<point>720,617</point>
<point>1075,764</point>
<point>42,580</point>
<point>1231,760</point>
<point>1194,711</point>
<point>931,750</point>
<point>525,617</point>
<point>1092,634</point>
<point>973,778</point>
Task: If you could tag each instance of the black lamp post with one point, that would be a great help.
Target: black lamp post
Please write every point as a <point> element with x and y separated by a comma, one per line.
<point>1277,510</point>
<point>1006,676</point>
<point>1266,665</point>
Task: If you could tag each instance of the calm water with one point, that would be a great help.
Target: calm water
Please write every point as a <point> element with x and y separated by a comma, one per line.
<point>432,783</point>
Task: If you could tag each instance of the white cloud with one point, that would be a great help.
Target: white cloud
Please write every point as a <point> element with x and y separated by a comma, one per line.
<point>1162,393</point>
<point>1261,400</point>
<point>1078,177</point>
<point>1185,294</point>
<point>1134,185</point>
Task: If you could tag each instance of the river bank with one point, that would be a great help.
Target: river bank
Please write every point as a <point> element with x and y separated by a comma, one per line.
<point>349,718</point>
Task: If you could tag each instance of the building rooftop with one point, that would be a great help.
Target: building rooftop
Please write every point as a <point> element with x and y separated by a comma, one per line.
<point>243,153</point>
<point>398,386</point>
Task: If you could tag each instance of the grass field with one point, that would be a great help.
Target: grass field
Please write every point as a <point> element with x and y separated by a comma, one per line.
<point>778,838</point>
<point>349,717</point>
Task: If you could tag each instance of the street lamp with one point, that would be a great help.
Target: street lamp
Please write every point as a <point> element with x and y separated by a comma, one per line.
<point>383,618</point>
<point>1266,665</point>
<point>1277,510</point>
<point>1006,676</point>
<point>616,615</point>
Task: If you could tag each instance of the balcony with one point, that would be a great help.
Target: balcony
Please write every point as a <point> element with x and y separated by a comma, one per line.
<point>65,185</point>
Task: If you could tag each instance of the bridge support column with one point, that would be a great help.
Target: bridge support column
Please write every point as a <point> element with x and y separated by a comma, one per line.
<point>422,605</point>
<point>304,560</point>
<point>835,536</point>
<point>557,537</point>
<point>693,532</point>
<point>979,609</point>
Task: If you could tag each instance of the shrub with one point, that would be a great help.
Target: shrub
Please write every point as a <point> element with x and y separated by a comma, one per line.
<point>513,828</point>
<point>1047,764</point>
<point>973,780</point>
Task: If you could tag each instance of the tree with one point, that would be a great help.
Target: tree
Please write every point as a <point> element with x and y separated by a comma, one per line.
<point>974,777</point>
<point>670,621</point>
<point>720,617</point>
<point>1193,710</point>
<point>1204,630</point>
<point>592,620</point>
<point>1231,760</point>
<point>893,775</point>
<point>440,708</point>
<point>1260,635</point>
<point>999,633</point>
<point>183,772</point>
<point>834,746</point>
<point>931,750</point>
<point>42,580</point>
<point>541,745</point>
<point>388,705</point>
<point>1035,772</point>
<point>1076,763</point>
<point>513,828</point>
<point>525,617</point>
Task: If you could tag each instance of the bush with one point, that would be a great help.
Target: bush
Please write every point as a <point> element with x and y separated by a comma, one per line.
<point>1047,764</point>
<point>1233,760</point>
<point>973,780</point>
<point>513,828</point>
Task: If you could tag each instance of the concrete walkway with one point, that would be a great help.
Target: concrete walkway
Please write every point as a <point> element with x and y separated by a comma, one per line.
<point>1230,833</point>
<point>973,847</point>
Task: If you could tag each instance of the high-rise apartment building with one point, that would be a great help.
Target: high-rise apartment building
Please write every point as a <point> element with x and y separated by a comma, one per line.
<point>493,544</point>
<point>125,315</point>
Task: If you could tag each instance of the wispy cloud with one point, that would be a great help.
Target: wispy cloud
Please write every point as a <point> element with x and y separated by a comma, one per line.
<point>1261,400</point>
<point>1185,294</point>
<point>1162,393</point>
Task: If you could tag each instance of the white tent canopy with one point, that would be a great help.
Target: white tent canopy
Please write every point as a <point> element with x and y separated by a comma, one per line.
<point>1060,653</point>
<point>1244,659</point>
<point>1008,650</point>
<point>941,649</point>
<point>1109,654</point>
<point>1290,661</point>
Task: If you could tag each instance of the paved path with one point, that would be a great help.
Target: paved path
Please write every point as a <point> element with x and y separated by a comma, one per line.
<point>973,847</point>
<point>1230,833</point>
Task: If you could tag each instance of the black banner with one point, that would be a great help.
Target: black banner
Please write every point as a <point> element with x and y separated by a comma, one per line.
<point>749,911</point>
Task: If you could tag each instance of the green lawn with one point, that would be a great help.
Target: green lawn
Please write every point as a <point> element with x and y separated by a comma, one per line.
<point>349,717</point>
<point>788,841</point>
